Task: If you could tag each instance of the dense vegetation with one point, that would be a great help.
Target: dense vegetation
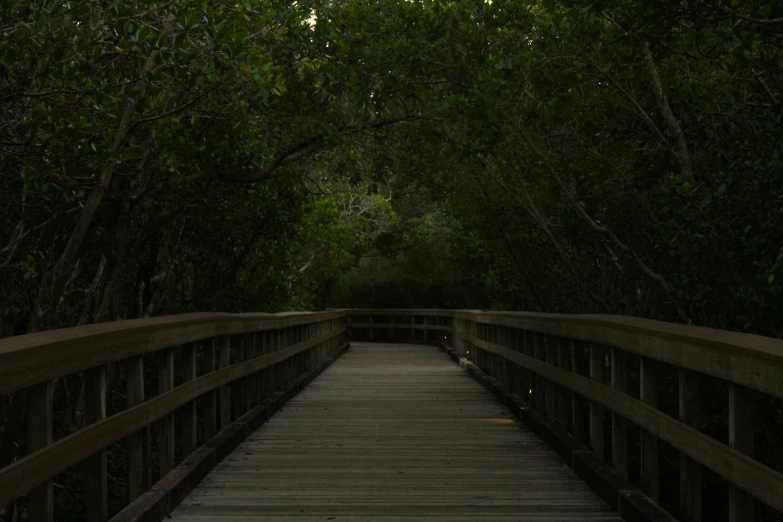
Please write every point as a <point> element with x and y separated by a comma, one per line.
<point>161,157</point>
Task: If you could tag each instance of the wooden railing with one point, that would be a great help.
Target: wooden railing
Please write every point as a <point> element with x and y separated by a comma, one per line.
<point>584,373</point>
<point>230,363</point>
<point>577,370</point>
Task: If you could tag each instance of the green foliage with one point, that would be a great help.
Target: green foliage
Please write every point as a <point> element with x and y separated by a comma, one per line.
<point>582,156</point>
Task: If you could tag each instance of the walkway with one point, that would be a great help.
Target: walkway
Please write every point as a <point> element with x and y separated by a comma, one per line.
<point>389,433</point>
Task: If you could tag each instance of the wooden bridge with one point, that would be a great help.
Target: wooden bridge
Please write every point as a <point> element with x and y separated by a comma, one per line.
<point>380,415</point>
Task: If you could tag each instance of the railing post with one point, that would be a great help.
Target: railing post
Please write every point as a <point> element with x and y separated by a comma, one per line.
<point>139,447</point>
<point>263,375</point>
<point>515,371</point>
<point>597,361</point>
<point>40,419</point>
<point>563,396</point>
<point>539,390</point>
<point>524,381</point>
<point>238,392</point>
<point>530,351</point>
<point>690,470</point>
<point>551,390</point>
<point>210,398</point>
<point>166,424</point>
<point>741,432</point>
<point>95,466</point>
<point>578,417</point>
<point>648,375</point>
<point>224,360</point>
<point>188,412</point>
<point>258,342</point>
<point>619,424</point>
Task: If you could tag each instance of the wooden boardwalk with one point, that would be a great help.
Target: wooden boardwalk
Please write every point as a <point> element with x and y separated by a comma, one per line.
<point>389,433</point>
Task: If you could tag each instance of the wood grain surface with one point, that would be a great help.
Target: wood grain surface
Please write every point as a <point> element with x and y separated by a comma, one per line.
<point>389,433</point>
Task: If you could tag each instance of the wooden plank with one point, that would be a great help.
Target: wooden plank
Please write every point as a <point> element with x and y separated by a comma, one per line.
<point>741,432</point>
<point>648,387</point>
<point>187,368</point>
<point>26,473</point>
<point>139,477</point>
<point>761,481</point>
<point>165,424</point>
<point>619,425</point>
<point>224,361</point>
<point>95,465</point>
<point>597,360</point>
<point>393,432</point>
<point>210,399</point>
<point>40,422</point>
<point>690,469</point>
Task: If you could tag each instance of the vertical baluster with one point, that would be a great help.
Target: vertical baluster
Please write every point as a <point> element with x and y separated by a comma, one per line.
<point>690,470</point>
<point>530,351</point>
<point>210,398</point>
<point>274,346</point>
<point>551,388</point>
<point>261,382</point>
<point>524,382</point>
<point>166,424</point>
<point>619,424</point>
<point>139,457</point>
<point>95,466</point>
<point>539,388</point>
<point>187,368</point>
<point>578,414</point>
<point>224,361</point>
<point>648,374</point>
<point>39,435</point>
<point>259,376</point>
<point>741,431</point>
<point>597,361</point>
<point>238,393</point>
<point>563,396</point>
<point>284,368</point>
<point>250,380</point>
<point>513,369</point>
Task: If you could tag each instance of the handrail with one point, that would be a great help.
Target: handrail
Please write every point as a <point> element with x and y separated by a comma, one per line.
<point>558,364</point>
<point>245,360</point>
<point>747,359</point>
<point>30,359</point>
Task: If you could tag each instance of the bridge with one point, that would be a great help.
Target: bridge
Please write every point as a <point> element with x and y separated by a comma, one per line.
<point>395,415</point>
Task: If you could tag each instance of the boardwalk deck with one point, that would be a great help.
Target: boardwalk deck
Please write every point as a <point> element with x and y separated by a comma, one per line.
<point>389,433</point>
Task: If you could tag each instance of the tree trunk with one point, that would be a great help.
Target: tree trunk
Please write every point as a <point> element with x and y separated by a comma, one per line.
<point>680,153</point>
